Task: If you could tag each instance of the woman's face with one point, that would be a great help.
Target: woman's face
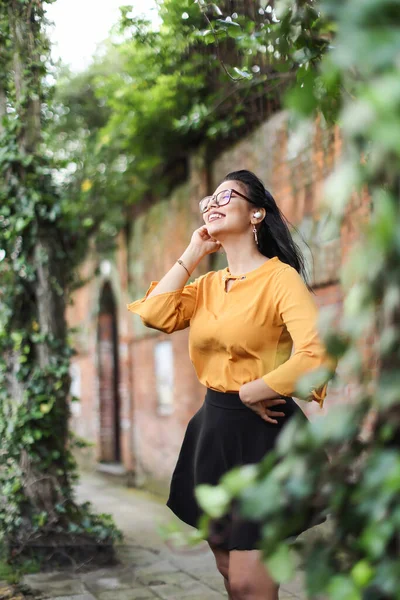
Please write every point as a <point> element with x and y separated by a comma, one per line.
<point>234,217</point>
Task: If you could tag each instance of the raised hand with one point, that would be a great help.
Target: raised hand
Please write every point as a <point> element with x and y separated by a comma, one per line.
<point>204,242</point>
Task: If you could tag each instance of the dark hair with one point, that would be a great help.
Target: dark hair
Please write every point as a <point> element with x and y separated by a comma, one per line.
<point>274,237</point>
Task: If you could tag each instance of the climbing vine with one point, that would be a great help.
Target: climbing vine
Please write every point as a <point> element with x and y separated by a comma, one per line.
<point>39,252</point>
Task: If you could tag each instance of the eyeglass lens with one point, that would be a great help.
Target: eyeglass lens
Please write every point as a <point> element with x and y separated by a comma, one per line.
<point>221,199</point>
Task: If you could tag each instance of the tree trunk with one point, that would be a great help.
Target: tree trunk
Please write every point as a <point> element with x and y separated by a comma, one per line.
<point>42,490</point>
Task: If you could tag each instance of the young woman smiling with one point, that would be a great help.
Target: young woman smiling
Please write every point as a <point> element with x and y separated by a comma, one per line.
<point>243,320</point>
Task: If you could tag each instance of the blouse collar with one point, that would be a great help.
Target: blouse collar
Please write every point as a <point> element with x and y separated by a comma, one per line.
<point>226,274</point>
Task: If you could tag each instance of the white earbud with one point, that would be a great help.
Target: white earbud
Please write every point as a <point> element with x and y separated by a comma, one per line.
<point>257,214</point>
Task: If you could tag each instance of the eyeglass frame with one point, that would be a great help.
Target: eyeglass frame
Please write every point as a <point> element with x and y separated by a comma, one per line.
<point>230,190</point>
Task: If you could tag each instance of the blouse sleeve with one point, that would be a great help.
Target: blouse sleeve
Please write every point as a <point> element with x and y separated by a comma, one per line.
<point>299,313</point>
<point>169,311</point>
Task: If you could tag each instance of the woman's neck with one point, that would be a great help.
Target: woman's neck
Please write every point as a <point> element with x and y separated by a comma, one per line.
<point>242,256</point>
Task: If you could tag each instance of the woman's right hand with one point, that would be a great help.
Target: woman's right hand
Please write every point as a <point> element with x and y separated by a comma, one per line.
<point>202,241</point>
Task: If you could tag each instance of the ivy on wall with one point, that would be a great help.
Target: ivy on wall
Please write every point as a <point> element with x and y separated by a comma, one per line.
<point>40,248</point>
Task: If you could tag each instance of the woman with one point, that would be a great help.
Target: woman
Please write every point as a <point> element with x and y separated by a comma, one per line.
<point>243,322</point>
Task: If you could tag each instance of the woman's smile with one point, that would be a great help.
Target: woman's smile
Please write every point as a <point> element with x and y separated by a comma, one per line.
<point>214,215</point>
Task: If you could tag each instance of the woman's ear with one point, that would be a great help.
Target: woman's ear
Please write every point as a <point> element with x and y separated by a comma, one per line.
<point>259,213</point>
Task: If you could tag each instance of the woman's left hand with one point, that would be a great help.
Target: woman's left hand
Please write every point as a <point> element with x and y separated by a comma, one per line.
<point>255,396</point>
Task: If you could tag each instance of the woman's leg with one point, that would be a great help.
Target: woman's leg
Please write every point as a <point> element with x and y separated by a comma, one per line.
<point>248,577</point>
<point>222,561</point>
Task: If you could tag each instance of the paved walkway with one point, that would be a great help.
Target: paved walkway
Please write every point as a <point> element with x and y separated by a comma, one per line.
<point>149,568</point>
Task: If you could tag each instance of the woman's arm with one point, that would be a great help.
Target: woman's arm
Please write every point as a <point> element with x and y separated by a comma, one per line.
<point>200,245</point>
<point>257,390</point>
<point>298,311</point>
<point>168,304</point>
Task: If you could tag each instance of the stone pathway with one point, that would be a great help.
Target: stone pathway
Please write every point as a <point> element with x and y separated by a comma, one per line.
<point>148,567</point>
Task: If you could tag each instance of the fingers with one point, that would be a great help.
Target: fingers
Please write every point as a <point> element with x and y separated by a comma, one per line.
<point>268,419</point>
<point>270,416</point>
<point>203,231</point>
<point>275,402</point>
<point>262,409</point>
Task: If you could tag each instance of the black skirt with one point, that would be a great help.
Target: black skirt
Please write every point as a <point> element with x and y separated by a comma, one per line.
<point>224,433</point>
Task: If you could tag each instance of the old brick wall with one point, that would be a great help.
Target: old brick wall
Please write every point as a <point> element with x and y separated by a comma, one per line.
<point>294,170</point>
<point>159,236</point>
<point>89,416</point>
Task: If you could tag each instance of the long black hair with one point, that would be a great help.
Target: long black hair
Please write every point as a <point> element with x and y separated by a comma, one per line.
<point>274,237</point>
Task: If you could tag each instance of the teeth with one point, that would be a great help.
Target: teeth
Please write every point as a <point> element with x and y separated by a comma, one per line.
<point>213,217</point>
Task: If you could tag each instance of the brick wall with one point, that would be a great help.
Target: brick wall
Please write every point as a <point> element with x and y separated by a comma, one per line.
<point>294,170</point>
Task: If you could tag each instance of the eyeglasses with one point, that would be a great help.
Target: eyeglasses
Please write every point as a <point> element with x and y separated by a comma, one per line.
<point>222,198</point>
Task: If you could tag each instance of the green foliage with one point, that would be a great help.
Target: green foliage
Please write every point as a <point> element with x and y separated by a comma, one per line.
<point>344,56</point>
<point>40,248</point>
<point>153,94</point>
<point>14,573</point>
<point>130,107</point>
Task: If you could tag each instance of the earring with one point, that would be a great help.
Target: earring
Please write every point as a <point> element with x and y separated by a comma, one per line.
<point>255,234</point>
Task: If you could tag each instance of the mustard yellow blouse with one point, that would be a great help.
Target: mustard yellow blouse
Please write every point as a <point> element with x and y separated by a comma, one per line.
<point>248,332</point>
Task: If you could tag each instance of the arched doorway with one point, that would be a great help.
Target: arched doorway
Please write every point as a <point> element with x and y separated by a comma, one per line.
<point>108,373</point>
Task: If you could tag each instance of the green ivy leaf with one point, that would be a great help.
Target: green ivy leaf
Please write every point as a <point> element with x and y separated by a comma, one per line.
<point>214,500</point>
<point>281,564</point>
<point>236,480</point>
<point>21,223</point>
<point>362,573</point>
<point>343,588</point>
